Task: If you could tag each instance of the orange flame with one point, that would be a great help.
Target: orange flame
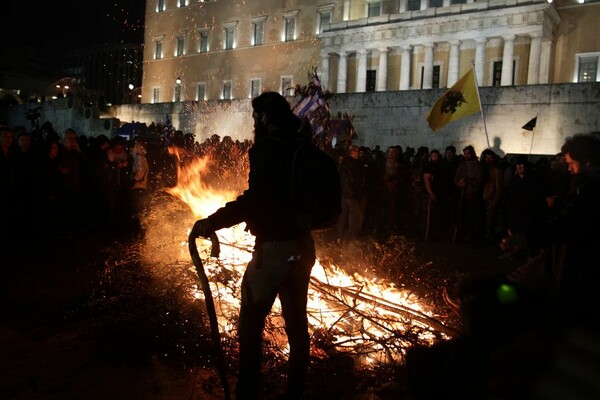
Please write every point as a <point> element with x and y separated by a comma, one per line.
<point>352,311</point>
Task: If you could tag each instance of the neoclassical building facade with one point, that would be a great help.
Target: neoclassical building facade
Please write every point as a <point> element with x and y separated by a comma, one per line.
<point>231,49</point>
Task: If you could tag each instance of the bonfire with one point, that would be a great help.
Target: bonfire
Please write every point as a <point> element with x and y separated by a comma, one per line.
<point>368,302</point>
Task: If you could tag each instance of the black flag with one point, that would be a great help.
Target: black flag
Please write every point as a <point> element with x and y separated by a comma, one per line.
<point>530,125</point>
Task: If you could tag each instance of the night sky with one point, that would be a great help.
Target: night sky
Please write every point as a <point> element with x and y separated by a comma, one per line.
<point>53,27</point>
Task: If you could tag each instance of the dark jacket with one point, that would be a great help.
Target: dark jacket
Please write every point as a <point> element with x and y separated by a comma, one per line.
<point>568,264</point>
<point>266,205</point>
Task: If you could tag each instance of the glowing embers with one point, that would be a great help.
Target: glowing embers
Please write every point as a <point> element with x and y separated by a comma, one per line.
<point>370,319</point>
<point>367,318</point>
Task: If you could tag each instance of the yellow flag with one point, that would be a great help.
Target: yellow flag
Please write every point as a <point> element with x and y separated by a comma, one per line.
<point>458,101</point>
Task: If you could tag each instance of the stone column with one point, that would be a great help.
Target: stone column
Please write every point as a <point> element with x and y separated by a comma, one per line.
<point>361,74</point>
<point>453,62</point>
<point>382,72</point>
<point>405,69</point>
<point>446,3</point>
<point>402,6</point>
<point>507,60</point>
<point>346,11</point>
<point>428,66</point>
<point>533,70</point>
<point>342,72</point>
<point>324,73</point>
<point>545,61</point>
<point>480,60</point>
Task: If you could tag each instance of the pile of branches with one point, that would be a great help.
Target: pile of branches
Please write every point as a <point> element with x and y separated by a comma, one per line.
<point>161,295</point>
<point>148,301</point>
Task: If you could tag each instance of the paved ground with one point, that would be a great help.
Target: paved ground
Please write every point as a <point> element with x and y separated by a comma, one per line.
<point>50,347</point>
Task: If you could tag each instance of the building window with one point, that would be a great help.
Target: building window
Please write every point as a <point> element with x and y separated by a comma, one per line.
<point>497,73</point>
<point>324,19</point>
<point>435,77</point>
<point>371,80</point>
<point>374,9</point>
<point>290,29</point>
<point>258,31</point>
<point>436,3</point>
<point>587,67</point>
<point>180,46</point>
<point>203,45</point>
<point>458,1</point>
<point>287,86</point>
<point>177,92</point>
<point>289,26</point>
<point>255,85</point>
<point>181,3</point>
<point>160,6</point>
<point>413,5</point>
<point>158,50</point>
<point>226,90</point>
<point>229,37</point>
<point>201,91</point>
<point>155,95</point>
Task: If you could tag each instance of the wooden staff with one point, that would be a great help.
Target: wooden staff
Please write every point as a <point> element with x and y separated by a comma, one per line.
<point>210,305</point>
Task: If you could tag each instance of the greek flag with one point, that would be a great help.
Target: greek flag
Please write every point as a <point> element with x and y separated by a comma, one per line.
<point>312,105</point>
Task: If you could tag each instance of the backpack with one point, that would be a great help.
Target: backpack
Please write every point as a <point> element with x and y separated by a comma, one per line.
<point>315,188</point>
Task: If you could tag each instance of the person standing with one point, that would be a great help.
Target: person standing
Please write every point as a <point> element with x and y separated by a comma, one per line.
<point>469,180</point>
<point>523,204</point>
<point>118,183</point>
<point>493,186</point>
<point>139,196</point>
<point>8,181</point>
<point>435,197</point>
<point>353,180</point>
<point>72,167</point>
<point>417,194</point>
<point>393,192</point>
<point>284,252</point>
<point>567,267</point>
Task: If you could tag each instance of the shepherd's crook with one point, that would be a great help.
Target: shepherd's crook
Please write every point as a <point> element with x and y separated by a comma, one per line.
<point>210,305</point>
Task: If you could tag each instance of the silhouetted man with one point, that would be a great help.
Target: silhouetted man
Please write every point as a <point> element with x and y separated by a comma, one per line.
<point>284,252</point>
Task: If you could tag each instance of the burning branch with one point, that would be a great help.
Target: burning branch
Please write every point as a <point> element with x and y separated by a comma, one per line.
<point>367,319</point>
<point>378,302</point>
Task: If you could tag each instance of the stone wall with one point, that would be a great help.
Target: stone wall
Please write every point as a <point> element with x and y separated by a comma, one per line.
<point>384,118</point>
<point>65,113</point>
<point>388,118</point>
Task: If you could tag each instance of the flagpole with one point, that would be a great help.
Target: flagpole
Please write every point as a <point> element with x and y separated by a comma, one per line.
<point>487,138</point>
<point>532,136</point>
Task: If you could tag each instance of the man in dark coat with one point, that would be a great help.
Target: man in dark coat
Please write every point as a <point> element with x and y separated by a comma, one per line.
<point>567,267</point>
<point>284,252</point>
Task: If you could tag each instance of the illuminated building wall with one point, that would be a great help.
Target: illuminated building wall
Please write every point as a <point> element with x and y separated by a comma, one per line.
<point>228,49</point>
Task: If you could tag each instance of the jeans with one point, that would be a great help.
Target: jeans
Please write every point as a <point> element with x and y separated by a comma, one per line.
<point>276,269</point>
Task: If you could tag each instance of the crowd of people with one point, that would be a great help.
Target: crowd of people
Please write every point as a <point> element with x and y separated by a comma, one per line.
<point>454,197</point>
<point>517,328</point>
<point>544,210</point>
<point>69,183</point>
<point>72,182</point>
